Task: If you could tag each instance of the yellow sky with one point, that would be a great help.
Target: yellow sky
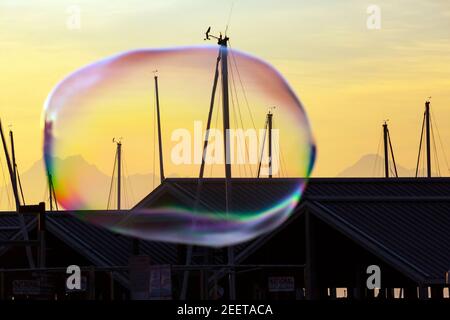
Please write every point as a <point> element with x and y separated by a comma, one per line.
<point>349,78</point>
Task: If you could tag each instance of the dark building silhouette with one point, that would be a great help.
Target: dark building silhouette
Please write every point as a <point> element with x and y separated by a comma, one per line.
<point>340,227</point>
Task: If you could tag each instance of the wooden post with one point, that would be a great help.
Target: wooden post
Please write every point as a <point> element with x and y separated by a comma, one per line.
<point>390,294</point>
<point>91,288</point>
<point>41,235</point>
<point>333,294</point>
<point>2,285</point>
<point>350,293</point>
<point>369,293</point>
<point>358,290</point>
<point>311,283</point>
<point>410,293</point>
<point>135,246</point>
<point>423,292</point>
<point>437,292</point>
<point>203,295</point>
<point>111,286</point>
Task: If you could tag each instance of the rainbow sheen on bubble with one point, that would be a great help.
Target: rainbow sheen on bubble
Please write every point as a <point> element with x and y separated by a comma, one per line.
<point>115,97</point>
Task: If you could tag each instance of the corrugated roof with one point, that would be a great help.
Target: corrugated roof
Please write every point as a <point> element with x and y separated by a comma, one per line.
<point>419,232</point>
<point>9,227</point>
<point>98,245</point>
<point>248,195</point>
<point>9,224</point>
<point>102,246</point>
<point>403,221</point>
<point>378,187</point>
<point>414,236</point>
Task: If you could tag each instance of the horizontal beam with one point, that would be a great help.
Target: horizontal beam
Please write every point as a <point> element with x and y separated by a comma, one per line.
<point>387,198</point>
<point>173,267</point>
<point>31,208</point>
<point>18,243</point>
<point>10,228</point>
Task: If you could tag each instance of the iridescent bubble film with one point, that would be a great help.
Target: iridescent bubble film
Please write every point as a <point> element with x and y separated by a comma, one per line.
<point>115,98</point>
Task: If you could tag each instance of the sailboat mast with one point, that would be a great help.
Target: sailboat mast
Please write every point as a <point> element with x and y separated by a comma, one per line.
<point>386,153</point>
<point>161,162</point>
<point>269,120</point>
<point>223,42</point>
<point>208,124</point>
<point>10,169</point>
<point>223,59</point>
<point>428,137</point>
<point>119,173</point>
<point>13,154</point>
<point>50,190</point>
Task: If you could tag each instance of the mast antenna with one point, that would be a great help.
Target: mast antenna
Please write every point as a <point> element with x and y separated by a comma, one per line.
<point>229,18</point>
<point>221,40</point>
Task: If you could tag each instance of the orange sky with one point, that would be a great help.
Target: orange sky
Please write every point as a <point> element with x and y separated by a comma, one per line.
<point>349,78</point>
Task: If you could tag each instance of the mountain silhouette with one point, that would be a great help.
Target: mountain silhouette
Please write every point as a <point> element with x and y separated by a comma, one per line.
<point>34,183</point>
<point>372,165</point>
<point>137,186</point>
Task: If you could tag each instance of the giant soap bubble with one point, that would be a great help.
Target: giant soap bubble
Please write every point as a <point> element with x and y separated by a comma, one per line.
<point>115,97</point>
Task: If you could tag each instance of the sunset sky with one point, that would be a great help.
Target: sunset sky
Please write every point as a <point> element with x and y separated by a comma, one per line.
<point>348,77</point>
